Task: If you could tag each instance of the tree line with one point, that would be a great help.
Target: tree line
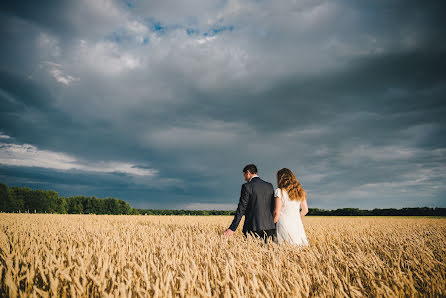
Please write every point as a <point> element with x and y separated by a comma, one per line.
<point>24,199</point>
<point>421,211</point>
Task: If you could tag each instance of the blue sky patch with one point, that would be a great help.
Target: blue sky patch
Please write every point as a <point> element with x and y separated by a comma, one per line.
<point>218,29</point>
<point>129,4</point>
<point>192,31</point>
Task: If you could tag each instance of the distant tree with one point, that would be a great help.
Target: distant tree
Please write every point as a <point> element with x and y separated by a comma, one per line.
<point>62,205</point>
<point>347,212</point>
<point>7,200</point>
<point>88,205</point>
<point>20,195</point>
<point>111,206</point>
<point>75,205</point>
<point>134,212</point>
<point>317,212</point>
<point>124,207</point>
<point>51,202</point>
<point>33,201</point>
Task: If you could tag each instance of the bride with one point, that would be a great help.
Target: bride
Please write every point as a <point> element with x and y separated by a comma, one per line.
<point>289,197</point>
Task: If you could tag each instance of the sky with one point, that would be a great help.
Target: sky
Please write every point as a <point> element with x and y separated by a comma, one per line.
<point>162,103</point>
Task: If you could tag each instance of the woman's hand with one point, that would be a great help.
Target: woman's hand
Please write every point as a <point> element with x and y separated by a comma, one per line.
<point>304,207</point>
<point>277,208</point>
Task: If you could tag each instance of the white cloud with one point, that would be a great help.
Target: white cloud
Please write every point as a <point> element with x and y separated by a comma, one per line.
<point>61,77</point>
<point>107,57</point>
<point>138,30</point>
<point>103,8</point>
<point>206,39</point>
<point>55,70</point>
<point>27,155</point>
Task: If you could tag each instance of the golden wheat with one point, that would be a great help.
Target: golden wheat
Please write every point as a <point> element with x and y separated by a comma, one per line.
<point>159,256</point>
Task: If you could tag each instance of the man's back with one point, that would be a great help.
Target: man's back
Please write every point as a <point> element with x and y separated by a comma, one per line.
<point>257,204</point>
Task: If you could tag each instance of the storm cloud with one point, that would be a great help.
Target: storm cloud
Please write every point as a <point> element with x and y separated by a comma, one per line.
<point>162,103</point>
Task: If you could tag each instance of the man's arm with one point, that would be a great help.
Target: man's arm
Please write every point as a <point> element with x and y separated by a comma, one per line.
<point>242,204</point>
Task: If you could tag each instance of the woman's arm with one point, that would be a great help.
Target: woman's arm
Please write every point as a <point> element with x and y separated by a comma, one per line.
<point>304,207</point>
<point>277,208</point>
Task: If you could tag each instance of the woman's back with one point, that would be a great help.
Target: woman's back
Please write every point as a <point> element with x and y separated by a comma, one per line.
<point>289,207</point>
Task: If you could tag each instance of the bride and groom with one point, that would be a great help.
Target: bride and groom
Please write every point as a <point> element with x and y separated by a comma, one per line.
<point>271,213</point>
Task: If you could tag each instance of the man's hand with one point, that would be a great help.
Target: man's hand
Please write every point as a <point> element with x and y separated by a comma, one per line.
<point>228,232</point>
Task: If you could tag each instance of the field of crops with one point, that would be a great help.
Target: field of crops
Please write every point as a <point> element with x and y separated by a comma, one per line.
<point>140,256</point>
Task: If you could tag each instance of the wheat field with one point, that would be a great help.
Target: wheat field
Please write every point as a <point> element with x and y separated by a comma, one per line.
<point>183,256</point>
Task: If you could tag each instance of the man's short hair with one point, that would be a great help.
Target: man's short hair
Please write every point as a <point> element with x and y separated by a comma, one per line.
<point>251,168</point>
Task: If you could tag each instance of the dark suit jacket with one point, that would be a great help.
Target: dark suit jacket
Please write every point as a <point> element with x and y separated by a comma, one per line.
<point>257,204</point>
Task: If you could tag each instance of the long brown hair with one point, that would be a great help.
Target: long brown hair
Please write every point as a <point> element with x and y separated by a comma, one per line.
<point>286,180</point>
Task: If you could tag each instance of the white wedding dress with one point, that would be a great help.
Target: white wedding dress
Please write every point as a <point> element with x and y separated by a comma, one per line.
<point>289,228</point>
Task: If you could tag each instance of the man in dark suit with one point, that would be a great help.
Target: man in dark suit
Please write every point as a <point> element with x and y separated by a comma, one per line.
<point>257,204</point>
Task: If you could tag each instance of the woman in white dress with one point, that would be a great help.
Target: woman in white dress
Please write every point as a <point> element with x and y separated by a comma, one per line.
<point>290,197</point>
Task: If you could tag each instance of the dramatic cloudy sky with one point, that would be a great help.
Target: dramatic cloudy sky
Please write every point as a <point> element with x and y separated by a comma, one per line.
<point>162,103</point>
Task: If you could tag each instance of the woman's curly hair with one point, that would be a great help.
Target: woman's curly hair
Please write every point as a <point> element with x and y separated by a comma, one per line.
<point>286,180</point>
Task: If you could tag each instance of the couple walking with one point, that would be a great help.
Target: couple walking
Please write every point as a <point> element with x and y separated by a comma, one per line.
<point>269,213</point>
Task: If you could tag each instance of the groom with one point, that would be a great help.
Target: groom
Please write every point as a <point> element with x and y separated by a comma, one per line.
<point>257,204</point>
